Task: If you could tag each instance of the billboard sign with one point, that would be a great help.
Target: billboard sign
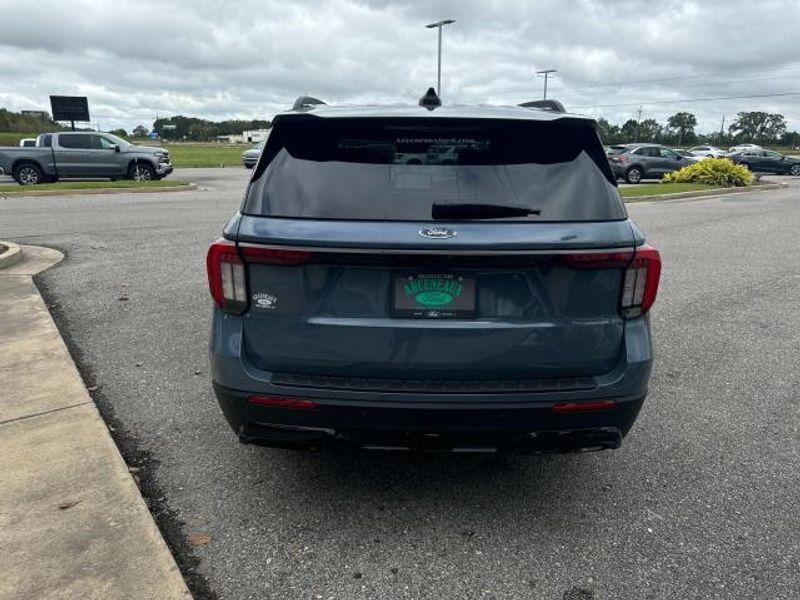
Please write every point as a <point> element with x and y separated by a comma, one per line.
<point>70,108</point>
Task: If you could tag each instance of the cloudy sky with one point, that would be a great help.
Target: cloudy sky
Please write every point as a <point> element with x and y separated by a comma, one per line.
<point>249,59</point>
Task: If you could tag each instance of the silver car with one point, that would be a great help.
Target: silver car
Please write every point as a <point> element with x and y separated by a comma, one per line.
<point>250,157</point>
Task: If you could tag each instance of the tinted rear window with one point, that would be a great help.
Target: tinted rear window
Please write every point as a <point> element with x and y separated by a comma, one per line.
<point>398,168</point>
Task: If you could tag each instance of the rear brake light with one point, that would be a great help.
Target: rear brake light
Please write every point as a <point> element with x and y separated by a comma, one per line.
<point>274,256</point>
<point>282,402</point>
<point>597,260</point>
<point>640,284</point>
<point>226,276</point>
<point>563,408</point>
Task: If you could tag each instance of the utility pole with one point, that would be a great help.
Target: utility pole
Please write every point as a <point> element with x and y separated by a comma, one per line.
<point>638,124</point>
<point>722,129</point>
<point>546,73</point>
<point>439,25</point>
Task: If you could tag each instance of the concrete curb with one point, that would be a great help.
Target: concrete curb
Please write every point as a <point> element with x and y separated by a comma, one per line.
<point>79,192</point>
<point>69,507</point>
<point>706,193</point>
<point>11,255</point>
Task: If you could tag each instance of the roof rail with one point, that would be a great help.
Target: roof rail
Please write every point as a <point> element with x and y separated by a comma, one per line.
<point>551,105</point>
<point>306,103</point>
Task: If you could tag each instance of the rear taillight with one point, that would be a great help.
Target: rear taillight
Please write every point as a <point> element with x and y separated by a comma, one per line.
<point>274,256</point>
<point>640,284</point>
<point>226,276</point>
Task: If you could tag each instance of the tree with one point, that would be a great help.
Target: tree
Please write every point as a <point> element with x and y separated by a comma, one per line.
<point>650,131</point>
<point>119,132</point>
<point>682,123</point>
<point>758,126</point>
<point>791,139</point>
<point>629,130</point>
<point>140,131</point>
<point>608,133</point>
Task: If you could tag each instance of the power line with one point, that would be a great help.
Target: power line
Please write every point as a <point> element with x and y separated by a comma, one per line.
<point>689,100</point>
<point>703,76</point>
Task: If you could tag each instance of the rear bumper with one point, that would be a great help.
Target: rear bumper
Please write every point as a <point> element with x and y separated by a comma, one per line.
<point>443,427</point>
<point>450,420</point>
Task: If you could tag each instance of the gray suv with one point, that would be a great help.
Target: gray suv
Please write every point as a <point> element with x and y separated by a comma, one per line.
<point>634,162</point>
<point>496,302</point>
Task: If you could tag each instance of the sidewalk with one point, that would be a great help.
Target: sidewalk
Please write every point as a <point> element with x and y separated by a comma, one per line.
<point>72,521</point>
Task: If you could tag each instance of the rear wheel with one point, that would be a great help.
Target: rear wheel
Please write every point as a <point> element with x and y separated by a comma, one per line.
<point>633,175</point>
<point>28,174</point>
<point>795,170</point>
<point>141,172</point>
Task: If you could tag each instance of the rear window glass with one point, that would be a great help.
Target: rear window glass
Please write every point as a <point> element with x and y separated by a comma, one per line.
<point>400,169</point>
<point>74,141</point>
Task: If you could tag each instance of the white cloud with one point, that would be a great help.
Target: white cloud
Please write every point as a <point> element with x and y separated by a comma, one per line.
<point>251,58</point>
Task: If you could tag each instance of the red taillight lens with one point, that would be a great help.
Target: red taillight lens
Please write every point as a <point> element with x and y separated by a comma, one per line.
<point>640,285</point>
<point>226,276</point>
<point>563,408</point>
<point>282,402</point>
<point>274,256</point>
<point>597,260</point>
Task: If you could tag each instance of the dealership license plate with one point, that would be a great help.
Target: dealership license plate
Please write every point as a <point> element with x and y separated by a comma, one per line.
<point>434,296</point>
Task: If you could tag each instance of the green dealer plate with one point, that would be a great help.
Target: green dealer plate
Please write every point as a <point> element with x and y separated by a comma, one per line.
<point>434,296</point>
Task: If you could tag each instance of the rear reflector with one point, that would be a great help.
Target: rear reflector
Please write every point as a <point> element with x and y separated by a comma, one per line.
<point>282,402</point>
<point>640,286</point>
<point>226,277</point>
<point>562,408</point>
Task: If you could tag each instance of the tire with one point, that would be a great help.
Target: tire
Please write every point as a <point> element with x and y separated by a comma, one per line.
<point>142,171</point>
<point>634,175</point>
<point>795,170</point>
<point>28,173</point>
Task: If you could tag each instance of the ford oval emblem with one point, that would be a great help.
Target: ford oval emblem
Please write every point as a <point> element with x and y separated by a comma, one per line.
<point>437,233</point>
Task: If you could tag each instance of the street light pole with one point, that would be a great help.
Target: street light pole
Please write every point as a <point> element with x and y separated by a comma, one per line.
<point>439,25</point>
<point>546,72</point>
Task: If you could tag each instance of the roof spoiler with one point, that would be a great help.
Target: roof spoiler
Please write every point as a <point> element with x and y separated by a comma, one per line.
<point>551,105</point>
<point>306,103</point>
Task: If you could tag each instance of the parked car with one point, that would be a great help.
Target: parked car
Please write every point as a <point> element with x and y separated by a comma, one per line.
<point>690,158</point>
<point>744,147</point>
<point>250,156</point>
<point>27,142</point>
<point>494,304</point>
<point>634,162</point>
<point>767,161</point>
<point>704,151</point>
<point>83,154</point>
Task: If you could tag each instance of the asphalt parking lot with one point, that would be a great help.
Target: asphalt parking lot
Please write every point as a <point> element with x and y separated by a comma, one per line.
<point>702,501</point>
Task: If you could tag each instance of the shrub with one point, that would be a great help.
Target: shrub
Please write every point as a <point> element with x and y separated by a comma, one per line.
<point>719,172</point>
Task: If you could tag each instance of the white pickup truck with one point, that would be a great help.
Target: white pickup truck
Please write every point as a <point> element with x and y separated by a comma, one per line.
<point>83,154</point>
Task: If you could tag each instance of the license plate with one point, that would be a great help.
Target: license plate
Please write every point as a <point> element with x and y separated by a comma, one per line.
<point>434,296</point>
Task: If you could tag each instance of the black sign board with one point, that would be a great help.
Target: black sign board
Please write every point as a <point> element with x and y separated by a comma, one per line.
<point>70,108</point>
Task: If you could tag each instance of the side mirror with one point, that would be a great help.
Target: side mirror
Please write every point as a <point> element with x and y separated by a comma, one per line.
<point>116,148</point>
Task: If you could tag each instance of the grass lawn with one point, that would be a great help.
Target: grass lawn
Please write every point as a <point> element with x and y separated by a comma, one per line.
<point>652,189</point>
<point>12,139</point>
<point>203,155</point>
<point>89,185</point>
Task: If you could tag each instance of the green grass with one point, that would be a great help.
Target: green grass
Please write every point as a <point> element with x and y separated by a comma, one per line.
<point>199,154</point>
<point>12,139</point>
<point>653,189</point>
<point>90,185</point>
